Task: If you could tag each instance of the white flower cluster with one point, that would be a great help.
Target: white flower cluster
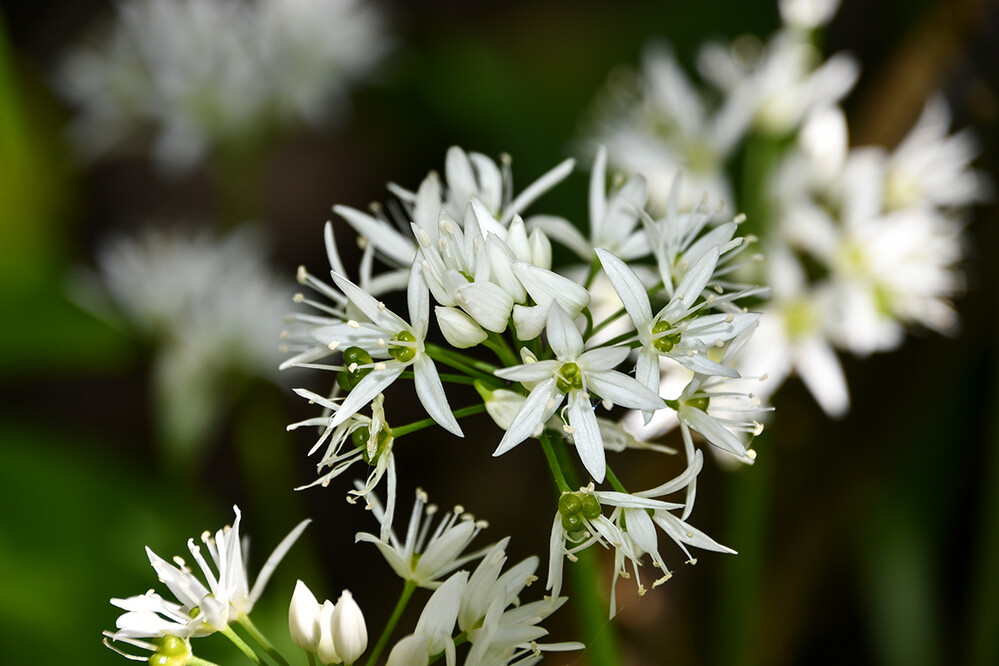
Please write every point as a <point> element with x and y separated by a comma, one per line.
<point>211,306</point>
<point>860,242</point>
<point>200,72</point>
<point>204,605</point>
<point>560,349</point>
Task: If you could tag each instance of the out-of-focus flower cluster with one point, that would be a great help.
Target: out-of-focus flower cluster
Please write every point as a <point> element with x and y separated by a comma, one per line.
<point>212,308</point>
<point>197,73</point>
<point>551,351</point>
<point>860,242</point>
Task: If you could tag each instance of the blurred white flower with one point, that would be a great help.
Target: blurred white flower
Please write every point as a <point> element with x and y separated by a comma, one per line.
<point>211,307</point>
<point>196,73</point>
<point>657,124</point>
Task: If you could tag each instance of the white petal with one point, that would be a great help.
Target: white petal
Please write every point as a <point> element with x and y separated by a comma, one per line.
<point>369,305</point>
<point>563,336</point>
<point>361,395</point>
<point>531,415</point>
<point>418,297</point>
<point>630,289</point>
<point>548,180</point>
<point>564,232</point>
<point>691,286</point>
<point>382,235</point>
<point>623,390</point>
<point>430,390</point>
<point>586,435</point>
<point>530,372</point>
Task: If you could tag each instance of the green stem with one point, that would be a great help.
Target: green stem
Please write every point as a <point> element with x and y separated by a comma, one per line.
<point>592,273</point>
<point>617,485</point>
<point>241,644</point>
<point>245,622</point>
<point>501,348</point>
<point>312,658</point>
<point>461,362</point>
<point>607,322</point>
<point>557,475</point>
<point>624,337</point>
<point>426,423</point>
<point>400,606</point>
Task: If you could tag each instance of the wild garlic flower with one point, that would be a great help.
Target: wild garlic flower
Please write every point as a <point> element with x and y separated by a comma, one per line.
<point>428,552</point>
<point>676,331</point>
<point>205,604</point>
<point>198,73</point>
<point>656,123</point>
<point>613,219</point>
<point>211,306</point>
<point>469,177</point>
<point>579,375</point>
<point>385,335</point>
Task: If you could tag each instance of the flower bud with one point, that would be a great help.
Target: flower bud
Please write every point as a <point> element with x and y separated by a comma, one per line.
<point>303,618</point>
<point>458,328</point>
<point>488,304</point>
<point>350,636</point>
<point>327,650</point>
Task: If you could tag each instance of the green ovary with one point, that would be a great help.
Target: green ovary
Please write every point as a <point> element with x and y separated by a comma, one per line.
<point>574,507</point>
<point>569,378</point>
<point>404,349</point>
<point>663,341</point>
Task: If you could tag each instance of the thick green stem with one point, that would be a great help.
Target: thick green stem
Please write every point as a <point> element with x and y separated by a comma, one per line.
<point>400,606</point>
<point>247,624</point>
<point>426,423</point>
<point>557,475</point>
<point>241,644</point>
<point>312,658</point>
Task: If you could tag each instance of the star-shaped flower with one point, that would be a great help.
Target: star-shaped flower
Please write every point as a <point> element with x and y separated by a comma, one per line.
<point>573,373</point>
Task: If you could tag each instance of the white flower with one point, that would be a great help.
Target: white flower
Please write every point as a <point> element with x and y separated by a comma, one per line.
<point>428,553</point>
<point>202,72</point>
<point>500,628</point>
<point>211,306</point>
<point>674,332</point>
<point>326,651</point>
<point>637,516</point>
<point>657,124</point>
<point>574,373</point>
<point>470,178</point>
<point>931,167</point>
<point>204,607</point>
<point>350,635</point>
<point>303,618</point>
<point>807,14</point>
<point>387,335</point>
<point>612,219</point>
<point>774,90</point>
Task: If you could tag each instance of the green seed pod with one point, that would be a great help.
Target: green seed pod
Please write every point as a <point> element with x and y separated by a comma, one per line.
<point>403,352</point>
<point>700,403</point>
<point>569,504</point>
<point>664,343</point>
<point>569,377</point>
<point>348,379</point>
<point>591,506</point>
<point>572,523</point>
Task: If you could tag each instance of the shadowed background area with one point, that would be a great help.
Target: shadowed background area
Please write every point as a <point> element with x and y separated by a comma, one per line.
<point>873,538</point>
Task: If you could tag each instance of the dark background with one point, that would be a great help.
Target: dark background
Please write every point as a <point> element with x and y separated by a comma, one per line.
<point>879,532</point>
